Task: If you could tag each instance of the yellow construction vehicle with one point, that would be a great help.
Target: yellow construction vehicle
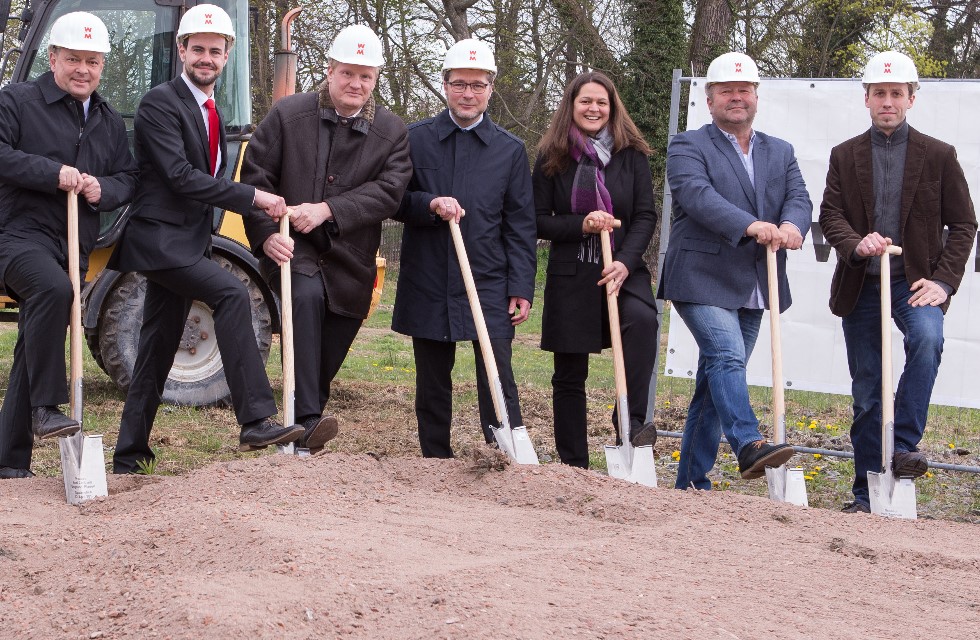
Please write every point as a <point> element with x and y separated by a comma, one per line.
<point>144,54</point>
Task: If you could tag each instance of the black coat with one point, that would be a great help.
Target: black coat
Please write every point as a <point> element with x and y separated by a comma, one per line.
<point>39,133</point>
<point>487,171</point>
<point>173,210</point>
<point>305,152</point>
<point>575,316</point>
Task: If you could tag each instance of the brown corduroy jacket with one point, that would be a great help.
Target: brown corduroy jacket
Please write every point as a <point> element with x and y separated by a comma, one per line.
<point>935,198</point>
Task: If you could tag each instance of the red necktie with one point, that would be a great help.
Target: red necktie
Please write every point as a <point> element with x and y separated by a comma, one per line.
<point>213,126</point>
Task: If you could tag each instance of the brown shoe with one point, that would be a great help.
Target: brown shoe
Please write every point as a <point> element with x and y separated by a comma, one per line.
<point>756,456</point>
<point>319,430</point>
<point>909,464</point>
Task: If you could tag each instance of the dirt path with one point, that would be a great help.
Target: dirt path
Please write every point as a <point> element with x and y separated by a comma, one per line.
<point>348,546</point>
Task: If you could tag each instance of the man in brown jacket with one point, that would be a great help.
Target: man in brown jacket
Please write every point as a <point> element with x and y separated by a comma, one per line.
<point>341,162</point>
<point>894,185</point>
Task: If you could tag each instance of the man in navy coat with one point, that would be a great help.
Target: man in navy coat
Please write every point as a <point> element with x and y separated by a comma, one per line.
<point>464,162</point>
<point>180,148</point>
<point>737,193</point>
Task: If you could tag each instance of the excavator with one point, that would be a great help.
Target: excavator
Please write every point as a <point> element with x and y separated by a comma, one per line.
<point>144,54</point>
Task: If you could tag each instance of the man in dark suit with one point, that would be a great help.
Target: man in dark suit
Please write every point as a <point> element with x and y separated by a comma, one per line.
<point>57,136</point>
<point>737,193</point>
<point>463,160</point>
<point>894,185</point>
<point>180,148</point>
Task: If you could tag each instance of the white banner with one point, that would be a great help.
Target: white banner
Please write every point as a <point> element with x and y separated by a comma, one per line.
<point>815,115</point>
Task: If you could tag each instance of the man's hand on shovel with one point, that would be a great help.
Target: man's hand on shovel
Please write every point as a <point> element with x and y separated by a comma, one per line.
<point>447,208</point>
<point>279,247</point>
<point>616,273</point>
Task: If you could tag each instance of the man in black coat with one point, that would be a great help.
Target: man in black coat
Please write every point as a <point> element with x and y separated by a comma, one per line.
<point>57,136</point>
<point>341,161</point>
<point>463,161</point>
<point>180,147</point>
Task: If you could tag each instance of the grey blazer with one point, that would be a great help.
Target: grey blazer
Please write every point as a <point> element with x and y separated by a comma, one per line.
<point>709,259</point>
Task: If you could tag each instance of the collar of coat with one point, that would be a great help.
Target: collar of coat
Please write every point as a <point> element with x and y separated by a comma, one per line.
<point>53,93</point>
<point>445,126</point>
<point>363,120</point>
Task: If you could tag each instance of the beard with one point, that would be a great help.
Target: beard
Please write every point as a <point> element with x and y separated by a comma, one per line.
<point>202,76</point>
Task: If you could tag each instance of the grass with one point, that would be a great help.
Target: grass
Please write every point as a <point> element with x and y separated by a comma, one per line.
<point>374,393</point>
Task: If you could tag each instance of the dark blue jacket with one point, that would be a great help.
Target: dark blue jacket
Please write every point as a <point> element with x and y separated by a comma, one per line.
<point>487,171</point>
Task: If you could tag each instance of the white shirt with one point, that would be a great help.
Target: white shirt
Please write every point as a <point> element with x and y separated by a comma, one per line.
<point>201,98</point>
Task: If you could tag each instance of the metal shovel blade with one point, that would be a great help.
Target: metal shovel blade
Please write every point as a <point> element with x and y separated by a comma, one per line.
<point>83,467</point>
<point>524,452</point>
<point>639,470</point>
<point>787,485</point>
<point>505,440</point>
<point>515,443</point>
<point>892,497</point>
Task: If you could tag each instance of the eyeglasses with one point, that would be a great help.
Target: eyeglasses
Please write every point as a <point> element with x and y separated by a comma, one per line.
<point>460,87</point>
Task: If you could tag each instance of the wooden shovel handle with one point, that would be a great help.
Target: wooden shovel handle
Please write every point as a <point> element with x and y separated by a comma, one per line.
<point>775,338</point>
<point>489,361</point>
<point>286,334</point>
<point>75,336</point>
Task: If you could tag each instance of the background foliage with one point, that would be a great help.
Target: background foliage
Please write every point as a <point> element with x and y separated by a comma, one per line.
<point>541,44</point>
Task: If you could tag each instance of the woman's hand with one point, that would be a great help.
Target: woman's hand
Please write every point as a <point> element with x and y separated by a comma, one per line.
<point>616,275</point>
<point>597,221</point>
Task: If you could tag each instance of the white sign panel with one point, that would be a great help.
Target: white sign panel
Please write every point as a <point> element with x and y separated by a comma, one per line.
<point>814,116</point>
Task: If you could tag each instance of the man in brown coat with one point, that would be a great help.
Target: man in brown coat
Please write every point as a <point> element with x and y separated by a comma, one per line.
<point>894,185</point>
<point>341,162</point>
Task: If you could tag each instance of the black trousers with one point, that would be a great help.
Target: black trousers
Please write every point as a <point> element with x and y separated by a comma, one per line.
<point>169,294</point>
<point>638,327</point>
<point>322,340</point>
<point>37,378</point>
<point>434,362</point>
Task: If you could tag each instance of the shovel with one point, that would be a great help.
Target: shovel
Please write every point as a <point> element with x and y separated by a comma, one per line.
<point>286,346</point>
<point>625,462</point>
<point>785,485</point>
<point>82,456</point>
<point>890,496</point>
<point>512,441</point>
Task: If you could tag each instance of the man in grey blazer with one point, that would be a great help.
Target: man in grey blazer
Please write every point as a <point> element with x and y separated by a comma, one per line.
<point>737,193</point>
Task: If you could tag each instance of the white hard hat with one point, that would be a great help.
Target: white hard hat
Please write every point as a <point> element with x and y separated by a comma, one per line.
<point>891,66</point>
<point>206,18</point>
<point>80,31</point>
<point>732,67</point>
<point>470,54</point>
<point>357,44</point>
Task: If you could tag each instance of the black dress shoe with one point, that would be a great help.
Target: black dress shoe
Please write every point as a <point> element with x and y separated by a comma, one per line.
<point>756,456</point>
<point>909,464</point>
<point>318,431</point>
<point>856,507</point>
<point>642,436</point>
<point>11,473</point>
<point>50,422</point>
<point>261,433</point>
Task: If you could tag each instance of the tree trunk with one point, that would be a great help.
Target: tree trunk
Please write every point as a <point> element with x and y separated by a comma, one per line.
<point>711,33</point>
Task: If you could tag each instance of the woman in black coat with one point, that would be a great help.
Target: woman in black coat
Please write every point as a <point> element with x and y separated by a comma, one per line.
<point>592,168</point>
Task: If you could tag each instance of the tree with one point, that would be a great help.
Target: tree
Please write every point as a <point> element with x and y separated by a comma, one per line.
<point>711,33</point>
<point>659,46</point>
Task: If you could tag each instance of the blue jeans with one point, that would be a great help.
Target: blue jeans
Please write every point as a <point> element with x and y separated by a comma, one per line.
<point>923,331</point>
<point>725,340</point>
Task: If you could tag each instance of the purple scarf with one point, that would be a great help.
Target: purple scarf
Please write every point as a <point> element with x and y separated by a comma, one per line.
<point>589,191</point>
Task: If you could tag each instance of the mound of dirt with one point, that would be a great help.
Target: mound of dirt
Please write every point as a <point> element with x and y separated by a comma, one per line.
<point>362,546</point>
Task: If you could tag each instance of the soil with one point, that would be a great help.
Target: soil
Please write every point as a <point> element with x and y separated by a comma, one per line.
<point>345,545</point>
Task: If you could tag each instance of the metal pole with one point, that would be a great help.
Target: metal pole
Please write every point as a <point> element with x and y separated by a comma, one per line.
<point>834,453</point>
